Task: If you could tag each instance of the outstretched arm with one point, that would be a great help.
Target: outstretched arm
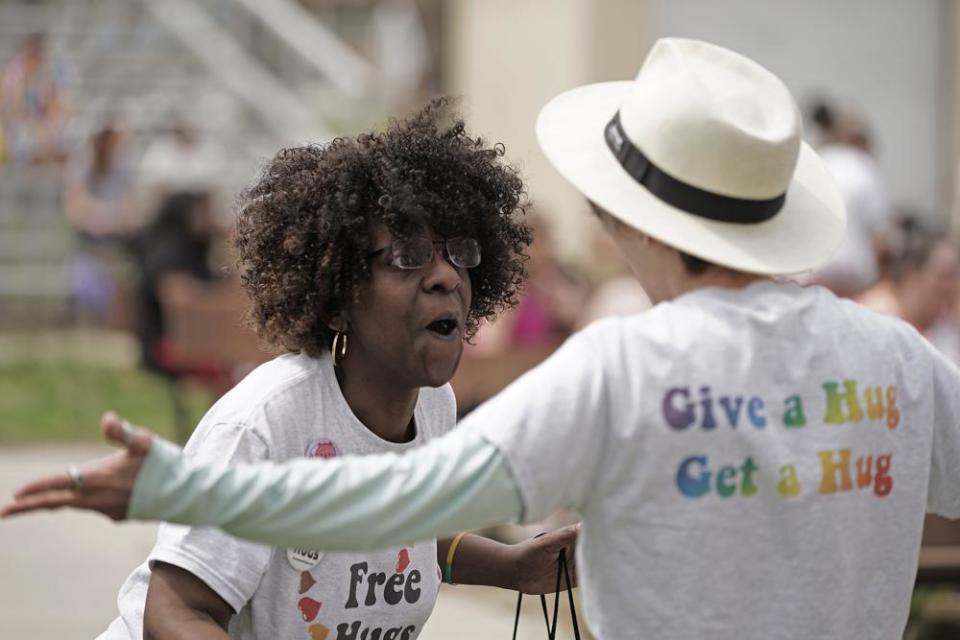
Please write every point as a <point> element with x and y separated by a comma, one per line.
<point>553,423</point>
<point>456,482</point>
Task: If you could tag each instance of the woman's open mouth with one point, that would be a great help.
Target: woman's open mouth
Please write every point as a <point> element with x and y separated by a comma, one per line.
<point>445,328</point>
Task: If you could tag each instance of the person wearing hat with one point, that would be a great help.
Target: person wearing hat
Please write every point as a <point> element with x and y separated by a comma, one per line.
<point>750,458</point>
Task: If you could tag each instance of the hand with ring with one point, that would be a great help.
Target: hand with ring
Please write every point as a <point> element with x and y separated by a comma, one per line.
<point>105,485</point>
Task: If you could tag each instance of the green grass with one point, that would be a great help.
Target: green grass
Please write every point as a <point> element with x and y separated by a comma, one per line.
<point>64,401</point>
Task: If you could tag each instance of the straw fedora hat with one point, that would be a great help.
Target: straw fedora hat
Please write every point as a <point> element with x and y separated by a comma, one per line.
<point>703,152</point>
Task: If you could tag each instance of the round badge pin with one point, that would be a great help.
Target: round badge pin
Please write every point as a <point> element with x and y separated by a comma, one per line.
<point>321,449</point>
<point>303,559</point>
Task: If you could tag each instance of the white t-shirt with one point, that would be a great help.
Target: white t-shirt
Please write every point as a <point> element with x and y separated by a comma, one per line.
<point>750,463</point>
<point>287,408</point>
<point>169,166</point>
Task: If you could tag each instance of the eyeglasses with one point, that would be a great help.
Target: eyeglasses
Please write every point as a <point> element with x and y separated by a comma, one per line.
<point>416,253</point>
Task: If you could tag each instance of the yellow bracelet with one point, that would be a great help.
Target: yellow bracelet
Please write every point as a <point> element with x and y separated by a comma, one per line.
<point>448,569</point>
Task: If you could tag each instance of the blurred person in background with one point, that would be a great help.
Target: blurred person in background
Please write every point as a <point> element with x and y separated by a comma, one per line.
<point>847,149</point>
<point>34,104</point>
<point>178,242</point>
<point>98,202</point>
<point>368,260</point>
<point>98,197</point>
<point>550,302</point>
<point>179,159</point>
<point>920,284</point>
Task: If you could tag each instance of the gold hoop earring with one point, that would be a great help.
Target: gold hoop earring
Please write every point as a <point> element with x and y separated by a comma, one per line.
<point>334,356</point>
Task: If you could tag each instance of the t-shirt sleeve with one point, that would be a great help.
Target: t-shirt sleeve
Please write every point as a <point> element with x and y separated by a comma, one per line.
<point>943,497</point>
<point>231,567</point>
<point>551,425</point>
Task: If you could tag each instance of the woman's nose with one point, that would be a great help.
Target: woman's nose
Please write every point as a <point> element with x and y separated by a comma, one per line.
<point>441,275</point>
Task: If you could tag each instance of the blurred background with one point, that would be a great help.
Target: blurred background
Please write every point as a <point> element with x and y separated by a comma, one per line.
<point>127,127</point>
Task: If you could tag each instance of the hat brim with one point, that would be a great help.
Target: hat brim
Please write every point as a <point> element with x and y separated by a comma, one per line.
<point>802,236</point>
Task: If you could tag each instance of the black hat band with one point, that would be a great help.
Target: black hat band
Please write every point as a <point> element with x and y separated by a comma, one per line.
<point>681,195</point>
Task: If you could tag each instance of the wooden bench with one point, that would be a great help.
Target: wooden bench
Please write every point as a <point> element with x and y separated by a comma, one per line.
<point>205,320</point>
<point>939,551</point>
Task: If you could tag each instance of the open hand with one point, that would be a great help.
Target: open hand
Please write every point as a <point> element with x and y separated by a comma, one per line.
<point>104,485</point>
<point>537,559</point>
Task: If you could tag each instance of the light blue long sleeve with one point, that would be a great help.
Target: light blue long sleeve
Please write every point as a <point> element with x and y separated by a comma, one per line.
<point>354,503</point>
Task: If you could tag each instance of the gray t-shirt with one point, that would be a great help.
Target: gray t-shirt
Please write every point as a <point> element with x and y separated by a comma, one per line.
<point>749,463</point>
<point>287,408</point>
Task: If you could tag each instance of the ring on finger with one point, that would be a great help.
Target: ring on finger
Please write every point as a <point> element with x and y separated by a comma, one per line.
<point>129,432</point>
<point>76,479</point>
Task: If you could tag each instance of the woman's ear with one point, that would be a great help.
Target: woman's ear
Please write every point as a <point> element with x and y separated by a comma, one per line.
<point>338,322</point>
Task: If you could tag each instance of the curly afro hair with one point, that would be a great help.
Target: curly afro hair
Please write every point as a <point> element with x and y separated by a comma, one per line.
<point>303,232</point>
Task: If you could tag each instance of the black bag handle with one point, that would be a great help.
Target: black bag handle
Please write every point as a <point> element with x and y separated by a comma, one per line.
<point>564,572</point>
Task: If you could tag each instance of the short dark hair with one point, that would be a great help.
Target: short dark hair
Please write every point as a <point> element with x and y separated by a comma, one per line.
<point>909,246</point>
<point>693,265</point>
<point>303,232</point>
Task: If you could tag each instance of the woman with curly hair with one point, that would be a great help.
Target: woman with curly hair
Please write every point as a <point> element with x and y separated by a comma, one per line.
<point>369,261</point>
